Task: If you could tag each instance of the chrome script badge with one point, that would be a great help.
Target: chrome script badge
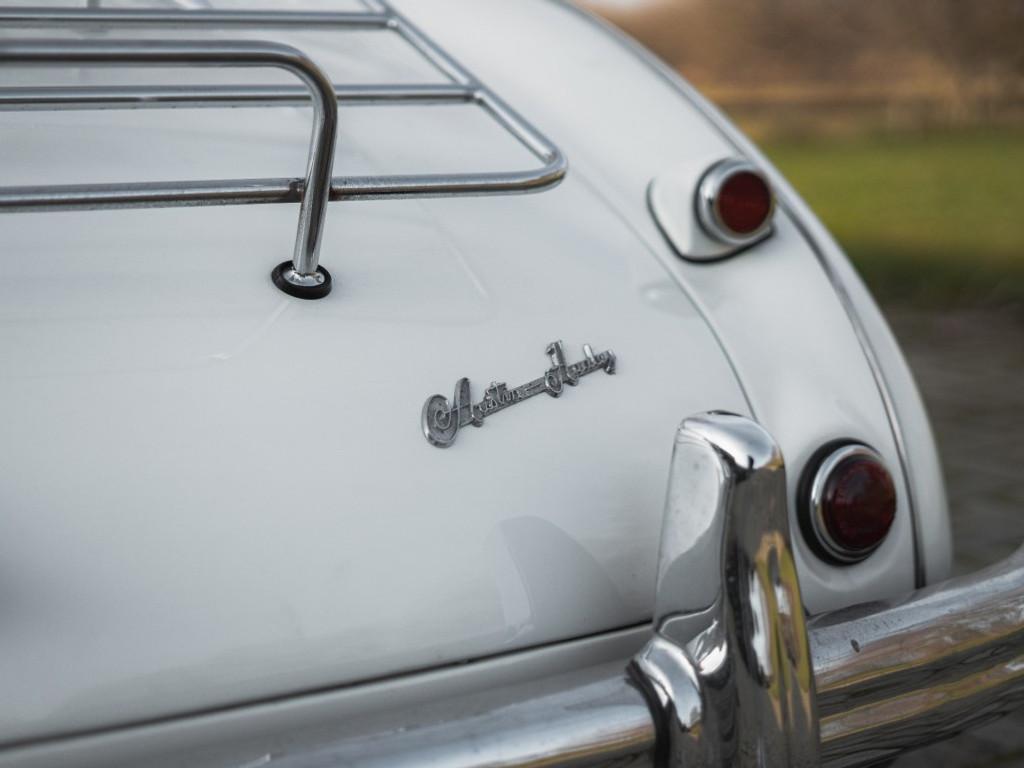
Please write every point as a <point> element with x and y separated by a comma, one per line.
<point>443,418</point>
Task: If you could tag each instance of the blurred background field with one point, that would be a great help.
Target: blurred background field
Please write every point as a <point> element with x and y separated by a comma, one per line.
<point>935,218</point>
<point>901,122</point>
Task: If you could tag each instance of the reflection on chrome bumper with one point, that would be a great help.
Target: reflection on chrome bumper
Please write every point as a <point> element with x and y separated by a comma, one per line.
<point>903,673</point>
<point>732,676</point>
<point>729,667</point>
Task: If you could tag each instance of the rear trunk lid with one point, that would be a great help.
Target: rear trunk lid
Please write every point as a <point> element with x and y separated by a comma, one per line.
<point>213,493</point>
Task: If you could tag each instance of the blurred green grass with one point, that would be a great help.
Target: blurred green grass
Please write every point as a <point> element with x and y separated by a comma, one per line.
<point>932,218</point>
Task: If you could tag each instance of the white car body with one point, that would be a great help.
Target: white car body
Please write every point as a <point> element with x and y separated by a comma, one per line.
<point>222,528</point>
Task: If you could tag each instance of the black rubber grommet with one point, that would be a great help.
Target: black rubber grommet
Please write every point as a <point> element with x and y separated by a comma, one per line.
<point>301,291</point>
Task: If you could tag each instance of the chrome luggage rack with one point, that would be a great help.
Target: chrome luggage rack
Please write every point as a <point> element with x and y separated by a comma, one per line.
<point>302,276</point>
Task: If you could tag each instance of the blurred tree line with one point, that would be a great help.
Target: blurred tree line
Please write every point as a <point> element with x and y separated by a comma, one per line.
<point>938,60</point>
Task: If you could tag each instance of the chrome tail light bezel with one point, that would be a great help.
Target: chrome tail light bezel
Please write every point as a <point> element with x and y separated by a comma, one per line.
<point>709,196</point>
<point>811,501</point>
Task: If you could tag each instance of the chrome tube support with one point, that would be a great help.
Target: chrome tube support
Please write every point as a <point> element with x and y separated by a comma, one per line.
<point>302,276</point>
<point>728,671</point>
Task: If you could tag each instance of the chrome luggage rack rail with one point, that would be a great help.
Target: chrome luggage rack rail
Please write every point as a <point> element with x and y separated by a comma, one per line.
<point>302,276</point>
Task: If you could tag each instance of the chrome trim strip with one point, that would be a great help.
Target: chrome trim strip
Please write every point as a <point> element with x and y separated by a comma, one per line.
<point>783,200</point>
<point>143,17</point>
<point>149,194</point>
<point>219,96</point>
<point>172,194</point>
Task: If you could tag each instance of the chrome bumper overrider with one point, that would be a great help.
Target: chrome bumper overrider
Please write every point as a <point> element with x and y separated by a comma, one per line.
<point>734,674</point>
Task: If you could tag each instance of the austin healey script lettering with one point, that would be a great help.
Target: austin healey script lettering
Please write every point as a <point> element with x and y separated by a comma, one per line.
<point>442,418</point>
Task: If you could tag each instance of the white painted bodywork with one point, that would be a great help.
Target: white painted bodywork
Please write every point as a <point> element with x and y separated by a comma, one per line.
<point>215,494</point>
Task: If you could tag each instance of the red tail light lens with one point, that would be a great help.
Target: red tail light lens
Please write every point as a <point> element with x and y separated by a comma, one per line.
<point>744,203</point>
<point>851,503</point>
<point>735,202</point>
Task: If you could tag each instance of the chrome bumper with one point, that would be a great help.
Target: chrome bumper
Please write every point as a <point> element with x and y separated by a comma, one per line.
<point>733,674</point>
